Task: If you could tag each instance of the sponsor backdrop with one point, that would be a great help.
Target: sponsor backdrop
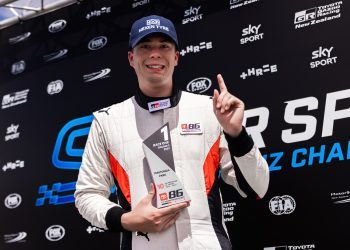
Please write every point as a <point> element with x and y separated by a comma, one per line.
<point>288,60</point>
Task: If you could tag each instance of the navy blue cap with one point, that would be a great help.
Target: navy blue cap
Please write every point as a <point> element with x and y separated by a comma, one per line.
<point>151,24</point>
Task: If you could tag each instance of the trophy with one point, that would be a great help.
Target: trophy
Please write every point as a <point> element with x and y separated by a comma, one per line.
<point>159,155</point>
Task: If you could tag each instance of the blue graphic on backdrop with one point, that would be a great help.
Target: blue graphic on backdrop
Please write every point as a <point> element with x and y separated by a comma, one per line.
<point>313,155</point>
<point>52,194</point>
<point>68,147</point>
<point>57,195</point>
<point>53,197</point>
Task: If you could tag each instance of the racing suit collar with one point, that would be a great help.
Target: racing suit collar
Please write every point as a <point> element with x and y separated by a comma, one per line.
<point>143,100</point>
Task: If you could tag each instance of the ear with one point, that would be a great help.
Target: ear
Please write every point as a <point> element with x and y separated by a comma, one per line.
<point>177,56</point>
<point>131,58</point>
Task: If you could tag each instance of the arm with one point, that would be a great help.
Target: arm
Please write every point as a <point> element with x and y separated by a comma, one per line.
<point>95,180</point>
<point>242,164</point>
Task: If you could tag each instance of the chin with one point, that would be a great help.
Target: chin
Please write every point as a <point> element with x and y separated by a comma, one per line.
<point>156,80</point>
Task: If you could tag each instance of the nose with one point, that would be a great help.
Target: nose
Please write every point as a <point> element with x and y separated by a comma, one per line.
<point>154,53</point>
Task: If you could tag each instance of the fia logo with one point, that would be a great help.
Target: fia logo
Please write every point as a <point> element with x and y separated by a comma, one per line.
<point>54,87</point>
<point>282,205</point>
<point>18,67</point>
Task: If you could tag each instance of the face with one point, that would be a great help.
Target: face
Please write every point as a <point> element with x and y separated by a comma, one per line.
<point>154,59</point>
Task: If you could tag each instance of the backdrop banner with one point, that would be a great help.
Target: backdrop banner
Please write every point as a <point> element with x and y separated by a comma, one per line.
<point>287,60</point>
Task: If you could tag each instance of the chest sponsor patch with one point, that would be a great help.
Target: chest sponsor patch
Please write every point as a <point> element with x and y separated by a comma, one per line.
<point>159,105</point>
<point>191,128</point>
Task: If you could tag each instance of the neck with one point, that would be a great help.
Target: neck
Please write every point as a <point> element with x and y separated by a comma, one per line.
<point>156,90</point>
<point>143,99</point>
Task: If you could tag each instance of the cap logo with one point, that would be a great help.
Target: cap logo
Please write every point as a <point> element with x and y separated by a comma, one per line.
<point>151,24</point>
<point>153,21</point>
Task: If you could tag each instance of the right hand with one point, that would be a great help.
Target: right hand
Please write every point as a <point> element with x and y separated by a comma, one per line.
<point>147,218</point>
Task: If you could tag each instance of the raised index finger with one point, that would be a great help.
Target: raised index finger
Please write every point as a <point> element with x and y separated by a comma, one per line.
<point>221,83</point>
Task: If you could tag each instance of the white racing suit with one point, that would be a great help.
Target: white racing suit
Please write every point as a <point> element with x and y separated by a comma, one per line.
<point>114,156</point>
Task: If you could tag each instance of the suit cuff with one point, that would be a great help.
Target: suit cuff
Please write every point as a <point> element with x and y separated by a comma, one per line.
<point>240,145</point>
<point>113,219</point>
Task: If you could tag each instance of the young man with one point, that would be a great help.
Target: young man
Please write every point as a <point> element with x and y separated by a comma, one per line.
<point>114,156</point>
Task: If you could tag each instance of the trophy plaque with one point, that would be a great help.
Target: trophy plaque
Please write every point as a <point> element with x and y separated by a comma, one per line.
<point>159,155</point>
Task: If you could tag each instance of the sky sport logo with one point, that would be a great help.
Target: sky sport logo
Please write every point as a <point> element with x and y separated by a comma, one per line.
<point>317,15</point>
<point>251,34</point>
<point>138,3</point>
<point>192,15</point>
<point>282,205</point>
<point>12,132</point>
<point>324,57</point>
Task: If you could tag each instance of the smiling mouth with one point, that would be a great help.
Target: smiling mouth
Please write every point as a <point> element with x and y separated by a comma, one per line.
<point>155,66</point>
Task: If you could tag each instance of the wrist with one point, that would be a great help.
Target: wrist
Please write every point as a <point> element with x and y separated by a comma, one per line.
<point>125,221</point>
<point>239,145</point>
<point>233,132</point>
<point>113,219</point>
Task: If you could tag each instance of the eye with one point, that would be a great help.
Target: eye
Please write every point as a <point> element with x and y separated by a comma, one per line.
<point>144,46</point>
<point>165,45</point>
